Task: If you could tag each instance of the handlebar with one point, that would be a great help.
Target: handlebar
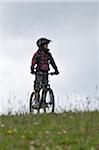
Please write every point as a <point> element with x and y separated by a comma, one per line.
<point>40,73</point>
<point>52,73</point>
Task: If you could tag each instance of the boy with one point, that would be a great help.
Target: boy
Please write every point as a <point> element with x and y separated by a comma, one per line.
<point>41,59</point>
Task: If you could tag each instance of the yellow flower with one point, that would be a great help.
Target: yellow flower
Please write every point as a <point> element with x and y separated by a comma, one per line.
<point>23,137</point>
<point>9,131</point>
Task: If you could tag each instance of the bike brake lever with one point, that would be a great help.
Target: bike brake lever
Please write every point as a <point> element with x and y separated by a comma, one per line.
<point>52,73</point>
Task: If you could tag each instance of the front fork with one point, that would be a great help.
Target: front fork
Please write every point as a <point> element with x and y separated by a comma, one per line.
<point>43,96</point>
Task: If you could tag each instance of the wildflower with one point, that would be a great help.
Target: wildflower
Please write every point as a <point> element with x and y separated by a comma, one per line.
<point>23,137</point>
<point>2,125</point>
<point>9,131</point>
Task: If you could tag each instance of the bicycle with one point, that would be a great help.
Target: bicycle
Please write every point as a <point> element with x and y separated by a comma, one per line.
<point>46,99</point>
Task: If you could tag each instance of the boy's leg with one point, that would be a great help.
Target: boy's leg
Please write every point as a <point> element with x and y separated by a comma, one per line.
<point>37,86</point>
<point>45,83</point>
<point>45,80</point>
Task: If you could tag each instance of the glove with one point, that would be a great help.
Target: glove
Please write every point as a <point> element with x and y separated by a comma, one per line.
<point>32,70</point>
<point>56,72</point>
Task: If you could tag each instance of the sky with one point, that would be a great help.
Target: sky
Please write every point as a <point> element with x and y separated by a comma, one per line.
<point>73,28</point>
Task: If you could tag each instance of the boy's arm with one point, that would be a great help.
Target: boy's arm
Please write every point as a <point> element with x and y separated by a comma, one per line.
<point>33,62</point>
<point>52,62</point>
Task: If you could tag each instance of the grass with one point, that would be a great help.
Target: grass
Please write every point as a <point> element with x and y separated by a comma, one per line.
<point>65,131</point>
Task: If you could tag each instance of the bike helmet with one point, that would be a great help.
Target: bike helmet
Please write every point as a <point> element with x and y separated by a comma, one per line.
<point>40,42</point>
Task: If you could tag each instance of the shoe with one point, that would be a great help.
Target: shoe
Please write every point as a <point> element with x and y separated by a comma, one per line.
<point>36,105</point>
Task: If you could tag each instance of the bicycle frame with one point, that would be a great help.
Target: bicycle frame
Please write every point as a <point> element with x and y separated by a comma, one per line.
<point>42,98</point>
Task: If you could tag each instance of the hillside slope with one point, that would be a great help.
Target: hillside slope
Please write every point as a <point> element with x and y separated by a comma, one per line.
<point>66,131</point>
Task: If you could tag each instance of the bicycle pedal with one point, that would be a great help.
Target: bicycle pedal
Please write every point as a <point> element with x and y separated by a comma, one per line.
<point>44,105</point>
<point>50,103</point>
<point>33,107</point>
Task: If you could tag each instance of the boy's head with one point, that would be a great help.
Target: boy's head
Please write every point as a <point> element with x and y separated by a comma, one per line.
<point>45,46</point>
<point>43,42</point>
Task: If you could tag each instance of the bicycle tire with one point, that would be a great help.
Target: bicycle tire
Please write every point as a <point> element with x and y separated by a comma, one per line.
<point>31,101</point>
<point>52,101</point>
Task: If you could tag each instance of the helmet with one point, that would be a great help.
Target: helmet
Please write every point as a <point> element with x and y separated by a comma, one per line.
<point>42,41</point>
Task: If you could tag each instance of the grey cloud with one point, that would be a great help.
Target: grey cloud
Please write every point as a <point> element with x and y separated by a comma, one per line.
<point>73,27</point>
<point>24,19</point>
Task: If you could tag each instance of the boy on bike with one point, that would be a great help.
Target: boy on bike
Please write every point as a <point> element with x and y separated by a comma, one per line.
<point>41,59</point>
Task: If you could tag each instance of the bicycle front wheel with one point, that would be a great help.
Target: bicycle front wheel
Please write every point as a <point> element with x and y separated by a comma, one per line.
<point>49,101</point>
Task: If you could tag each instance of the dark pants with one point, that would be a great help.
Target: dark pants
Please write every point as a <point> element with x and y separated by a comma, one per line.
<point>41,81</point>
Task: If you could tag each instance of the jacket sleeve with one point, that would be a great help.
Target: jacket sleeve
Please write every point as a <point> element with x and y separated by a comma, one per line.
<point>52,62</point>
<point>34,60</point>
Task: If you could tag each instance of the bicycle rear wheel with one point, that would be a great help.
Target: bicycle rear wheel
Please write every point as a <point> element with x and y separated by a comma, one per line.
<point>32,103</point>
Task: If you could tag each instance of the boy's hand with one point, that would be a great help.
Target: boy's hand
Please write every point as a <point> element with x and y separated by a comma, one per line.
<point>56,72</point>
<point>32,70</point>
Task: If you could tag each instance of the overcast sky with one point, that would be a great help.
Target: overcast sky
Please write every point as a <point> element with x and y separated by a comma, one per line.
<point>74,30</point>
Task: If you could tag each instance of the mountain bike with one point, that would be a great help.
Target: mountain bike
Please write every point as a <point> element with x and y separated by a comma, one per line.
<point>46,99</point>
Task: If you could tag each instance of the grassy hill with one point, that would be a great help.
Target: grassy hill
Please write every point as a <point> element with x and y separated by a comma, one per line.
<point>66,131</point>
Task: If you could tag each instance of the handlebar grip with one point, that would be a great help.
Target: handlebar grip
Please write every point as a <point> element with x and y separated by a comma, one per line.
<point>52,73</point>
